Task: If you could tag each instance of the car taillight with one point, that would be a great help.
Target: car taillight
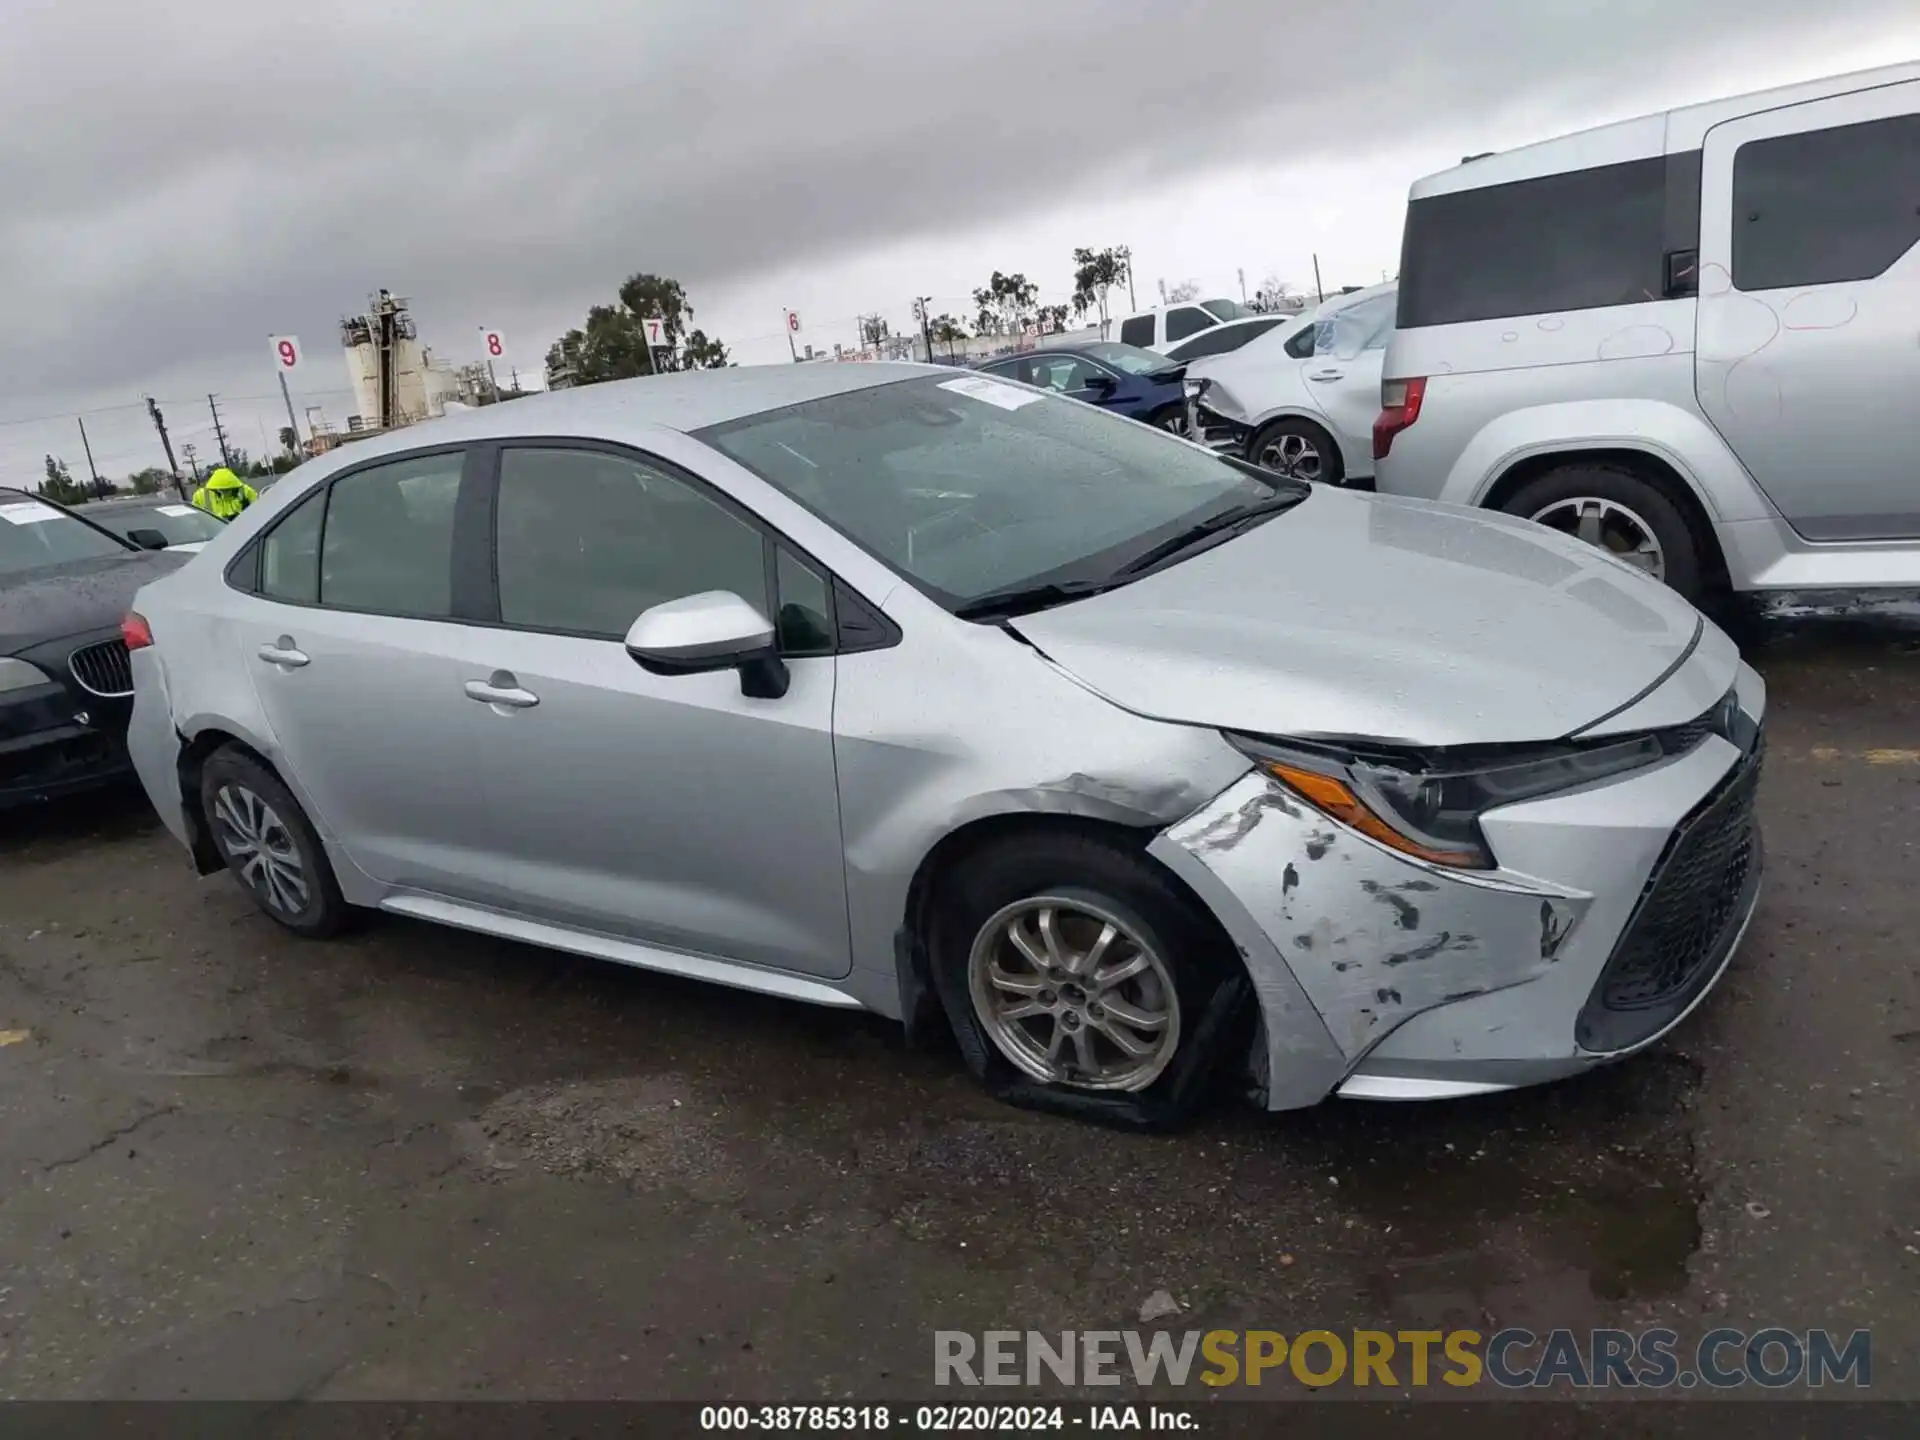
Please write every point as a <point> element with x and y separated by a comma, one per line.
<point>1399,408</point>
<point>135,631</point>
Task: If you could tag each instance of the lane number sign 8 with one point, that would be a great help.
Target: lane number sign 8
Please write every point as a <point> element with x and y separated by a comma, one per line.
<point>493,343</point>
<point>286,351</point>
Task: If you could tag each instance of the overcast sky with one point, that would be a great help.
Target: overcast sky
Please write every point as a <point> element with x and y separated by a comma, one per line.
<point>179,182</point>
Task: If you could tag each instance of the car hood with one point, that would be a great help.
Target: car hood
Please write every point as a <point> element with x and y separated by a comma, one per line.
<point>72,599</point>
<point>1370,617</point>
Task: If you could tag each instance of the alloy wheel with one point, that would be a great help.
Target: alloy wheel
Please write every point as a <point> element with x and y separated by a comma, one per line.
<point>262,850</point>
<point>1176,424</point>
<point>1292,454</point>
<point>1071,995</point>
<point>1608,525</point>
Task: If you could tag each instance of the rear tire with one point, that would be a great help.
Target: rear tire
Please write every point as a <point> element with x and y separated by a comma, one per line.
<point>1132,1029</point>
<point>1622,512</point>
<point>269,844</point>
<point>1298,449</point>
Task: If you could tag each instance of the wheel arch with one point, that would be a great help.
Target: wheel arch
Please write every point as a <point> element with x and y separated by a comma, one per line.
<point>195,751</point>
<point>920,1011</point>
<point>1648,465</point>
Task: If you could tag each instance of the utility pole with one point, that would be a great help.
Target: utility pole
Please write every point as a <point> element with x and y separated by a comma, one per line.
<point>1319,294</point>
<point>1243,286</point>
<point>99,490</point>
<point>1126,258</point>
<point>226,455</point>
<point>922,307</point>
<point>193,461</point>
<point>160,424</point>
<point>1163,290</point>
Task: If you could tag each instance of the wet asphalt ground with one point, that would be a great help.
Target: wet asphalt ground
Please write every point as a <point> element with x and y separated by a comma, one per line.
<point>418,1163</point>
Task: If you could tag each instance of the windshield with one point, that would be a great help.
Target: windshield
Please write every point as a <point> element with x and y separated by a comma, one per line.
<point>972,486</point>
<point>1227,309</point>
<point>1126,358</point>
<point>33,535</point>
<point>181,524</point>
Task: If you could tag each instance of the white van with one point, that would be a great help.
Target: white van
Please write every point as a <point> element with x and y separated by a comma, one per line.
<point>1692,338</point>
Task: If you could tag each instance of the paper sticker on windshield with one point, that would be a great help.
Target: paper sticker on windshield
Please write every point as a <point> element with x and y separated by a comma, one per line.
<point>979,387</point>
<point>32,512</point>
<point>174,509</point>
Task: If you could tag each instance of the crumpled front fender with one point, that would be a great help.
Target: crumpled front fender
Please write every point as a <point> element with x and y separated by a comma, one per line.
<point>1344,939</point>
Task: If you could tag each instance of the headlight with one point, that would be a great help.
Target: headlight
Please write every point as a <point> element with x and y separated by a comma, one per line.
<point>1430,808</point>
<point>19,675</point>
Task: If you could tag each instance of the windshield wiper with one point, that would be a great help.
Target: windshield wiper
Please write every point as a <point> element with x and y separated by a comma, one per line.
<point>1223,524</point>
<point>1025,599</point>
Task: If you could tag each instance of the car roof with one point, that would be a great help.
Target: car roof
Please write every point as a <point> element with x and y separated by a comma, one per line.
<point>1643,137</point>
<point>686,401</point>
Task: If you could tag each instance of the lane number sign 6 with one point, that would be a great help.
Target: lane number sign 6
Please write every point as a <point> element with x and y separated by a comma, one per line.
<point>493,343</point>
<point>286,352</point>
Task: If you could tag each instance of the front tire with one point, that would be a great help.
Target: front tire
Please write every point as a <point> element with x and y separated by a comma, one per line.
<point>1080,978</point>
<point>1298,449</point>
<point>1621,512</point>
<point>270,845</point>
<point>1172,419</point>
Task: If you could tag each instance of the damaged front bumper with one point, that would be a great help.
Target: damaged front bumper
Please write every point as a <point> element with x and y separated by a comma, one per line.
<point>1615,909</point>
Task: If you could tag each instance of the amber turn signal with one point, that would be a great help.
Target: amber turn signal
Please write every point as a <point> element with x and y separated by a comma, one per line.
<point>1332,796</point>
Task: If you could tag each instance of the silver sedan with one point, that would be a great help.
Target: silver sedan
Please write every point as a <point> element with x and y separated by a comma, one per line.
<point>1138,769</point>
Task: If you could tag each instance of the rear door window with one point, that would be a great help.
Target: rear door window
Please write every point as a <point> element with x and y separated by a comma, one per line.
<point>1137,331</point>
<point>1189,320</point>
<point>1574,241</point>
<point>387,546</point>
<point>1826,206</point>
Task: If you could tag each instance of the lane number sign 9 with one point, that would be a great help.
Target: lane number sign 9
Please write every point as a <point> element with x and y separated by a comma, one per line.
<point>286,352</point>
<point>493,343</point>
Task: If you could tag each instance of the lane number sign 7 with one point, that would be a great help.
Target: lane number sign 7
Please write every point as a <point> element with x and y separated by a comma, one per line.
<point>286,352</point>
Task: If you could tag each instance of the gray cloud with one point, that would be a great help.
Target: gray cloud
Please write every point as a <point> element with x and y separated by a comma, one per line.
<point>189,185</point>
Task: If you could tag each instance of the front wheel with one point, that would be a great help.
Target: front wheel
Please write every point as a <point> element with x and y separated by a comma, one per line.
<point>1172,419</point>
<point>1298,449</point>
<point>1079,978</point>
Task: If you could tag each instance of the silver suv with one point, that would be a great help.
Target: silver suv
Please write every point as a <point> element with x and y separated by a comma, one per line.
<point>1689,338</point>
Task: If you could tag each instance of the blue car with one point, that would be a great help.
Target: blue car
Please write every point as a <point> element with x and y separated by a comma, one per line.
<point>1132,382</point>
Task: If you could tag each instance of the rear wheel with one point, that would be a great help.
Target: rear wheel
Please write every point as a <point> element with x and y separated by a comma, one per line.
<point>1621,512</point>
<point>269,844</point>
<point>1079,978</point>
<point>1298,449</point>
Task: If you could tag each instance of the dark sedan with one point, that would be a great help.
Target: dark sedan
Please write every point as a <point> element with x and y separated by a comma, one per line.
<point>1132,382</point>
<point>66,689</point>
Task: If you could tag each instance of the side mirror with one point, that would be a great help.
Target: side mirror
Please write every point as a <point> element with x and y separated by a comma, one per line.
<point>148,539</point>
<point>1101,384</point>
<point>714,630</point>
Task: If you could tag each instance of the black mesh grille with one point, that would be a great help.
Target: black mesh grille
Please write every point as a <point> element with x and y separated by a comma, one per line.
<point>103,669</point>
<point>1695,898</point>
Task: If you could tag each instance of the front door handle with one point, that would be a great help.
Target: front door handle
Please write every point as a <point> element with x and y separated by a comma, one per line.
<point>284,654</point>
<point>501,689</point>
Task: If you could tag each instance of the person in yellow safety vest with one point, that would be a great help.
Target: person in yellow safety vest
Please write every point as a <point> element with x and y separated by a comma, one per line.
<point>224,495</point>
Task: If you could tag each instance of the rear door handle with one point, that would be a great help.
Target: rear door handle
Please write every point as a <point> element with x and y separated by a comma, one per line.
<point>503,690</point>
<point>1326,375</point>
<point>283,654</point>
